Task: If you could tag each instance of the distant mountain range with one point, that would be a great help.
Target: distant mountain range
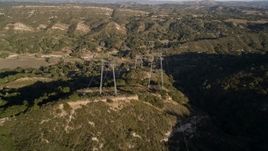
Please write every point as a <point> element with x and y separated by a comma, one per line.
<point>118,1</point>
<point>79,1</point>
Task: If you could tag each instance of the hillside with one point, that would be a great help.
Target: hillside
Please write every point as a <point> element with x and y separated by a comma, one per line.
<point>188,76</point>
<point>211,29</point>
<point>232,90</point>
<point>65,102</point>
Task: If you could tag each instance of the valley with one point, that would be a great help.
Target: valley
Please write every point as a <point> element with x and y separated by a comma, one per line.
<point>190,76</point>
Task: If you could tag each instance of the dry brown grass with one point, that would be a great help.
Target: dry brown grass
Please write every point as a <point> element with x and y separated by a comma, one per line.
<point>22,82</point>
<point>244,21</point>
<point>23,61</point>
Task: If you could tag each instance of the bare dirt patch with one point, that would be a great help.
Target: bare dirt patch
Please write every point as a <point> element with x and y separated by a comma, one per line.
<point>78,104</point>
<point>19,27</point>
<point>114,102</point>
<point>41,27</point>
<point>60,26</point>
<point>244,21</point>
<point>22,82</point>
<point>252,12</point>
<point>135,12</point>
<point>25,61</point>
<point>3,120</point>
<point>82,27</point>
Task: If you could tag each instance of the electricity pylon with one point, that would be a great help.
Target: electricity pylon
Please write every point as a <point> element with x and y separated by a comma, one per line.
<point>115,87</point>
<point>101,79</point>
<point>162,72</point>
<point>101,76</point>
<point>151,71</point>
<point>138,61</point>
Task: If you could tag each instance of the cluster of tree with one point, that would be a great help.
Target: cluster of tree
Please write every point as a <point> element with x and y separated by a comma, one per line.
<point>138,32</point>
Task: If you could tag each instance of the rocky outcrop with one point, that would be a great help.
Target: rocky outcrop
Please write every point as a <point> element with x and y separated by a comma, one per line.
<point>82,27</point>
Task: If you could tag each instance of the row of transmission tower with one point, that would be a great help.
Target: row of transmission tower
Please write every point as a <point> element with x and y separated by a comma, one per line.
<point>153,59</point>
<point>139,63</point>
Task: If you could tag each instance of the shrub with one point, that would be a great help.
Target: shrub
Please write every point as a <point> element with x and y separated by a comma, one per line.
<point>65,89</point>
<point>4,55</point>
<point>154,100</point>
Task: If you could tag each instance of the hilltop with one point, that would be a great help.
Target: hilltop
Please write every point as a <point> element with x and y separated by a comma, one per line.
<point>176,76</point>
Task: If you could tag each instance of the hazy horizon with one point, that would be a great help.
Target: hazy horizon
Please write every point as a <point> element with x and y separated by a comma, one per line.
<point>112,1</point>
